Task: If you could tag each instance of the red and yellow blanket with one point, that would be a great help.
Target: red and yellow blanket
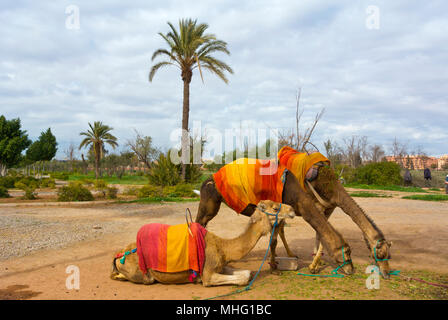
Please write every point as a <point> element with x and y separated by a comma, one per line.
<point>167,248</point>
<point>247,181</point>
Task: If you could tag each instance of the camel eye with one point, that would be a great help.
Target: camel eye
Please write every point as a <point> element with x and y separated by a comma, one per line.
<point>275,208</point>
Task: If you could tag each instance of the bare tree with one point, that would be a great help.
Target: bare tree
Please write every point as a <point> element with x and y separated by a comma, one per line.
<point>143,149</point>
<point>399,151</point>
<point>70,155</point>
<point>299,139</point>
<point>355,150</point>
<point>376,153</point>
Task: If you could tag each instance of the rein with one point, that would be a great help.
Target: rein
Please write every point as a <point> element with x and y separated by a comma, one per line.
<point>248,287</point>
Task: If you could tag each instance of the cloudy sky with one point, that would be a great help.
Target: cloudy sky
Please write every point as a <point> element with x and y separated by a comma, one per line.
<point>378,71</point>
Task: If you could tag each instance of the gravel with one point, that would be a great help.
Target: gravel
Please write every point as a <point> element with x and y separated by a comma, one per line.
<point>20,235</point>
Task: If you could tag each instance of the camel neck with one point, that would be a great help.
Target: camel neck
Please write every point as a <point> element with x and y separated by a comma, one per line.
<point>237,248</point>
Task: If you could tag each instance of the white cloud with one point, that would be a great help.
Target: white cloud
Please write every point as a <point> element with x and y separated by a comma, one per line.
<point>384,83</point>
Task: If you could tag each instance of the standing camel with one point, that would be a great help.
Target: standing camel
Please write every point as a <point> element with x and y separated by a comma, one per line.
<point>218,253</point>
<point>314,193</point>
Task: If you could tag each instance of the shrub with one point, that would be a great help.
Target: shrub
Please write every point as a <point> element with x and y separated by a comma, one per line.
<point>150,191</point>
<point>8,181</point>
<point>132,191</point>
<point>183,190</point>
<point>111,192</point>
<point>4,192</point>
<point>380,173</point>
<point>28,188</point>
<point>164,172</point>
<point>60,175</point>
<point>74,191</point>
<point>101,186</point>
<point>47,183</point>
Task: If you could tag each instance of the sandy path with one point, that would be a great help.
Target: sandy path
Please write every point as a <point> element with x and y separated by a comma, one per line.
<point>418,230</point>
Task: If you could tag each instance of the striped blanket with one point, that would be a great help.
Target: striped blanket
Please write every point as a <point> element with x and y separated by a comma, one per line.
<point>166,248</point>
<point>247,181</point>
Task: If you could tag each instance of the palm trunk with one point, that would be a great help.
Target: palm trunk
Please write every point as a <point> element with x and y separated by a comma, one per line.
<point>185,115</point>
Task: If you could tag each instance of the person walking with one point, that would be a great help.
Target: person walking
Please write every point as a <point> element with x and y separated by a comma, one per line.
<point>446,184</point>
<point>427,176</point>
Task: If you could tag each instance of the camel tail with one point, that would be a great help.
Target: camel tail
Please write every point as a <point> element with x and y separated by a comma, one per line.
<point>197,192</point>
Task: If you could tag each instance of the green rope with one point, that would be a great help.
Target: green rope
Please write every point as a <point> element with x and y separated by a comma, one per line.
<point>334,273</point>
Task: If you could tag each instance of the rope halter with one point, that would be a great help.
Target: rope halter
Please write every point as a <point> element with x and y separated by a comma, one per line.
<point>374,252</point>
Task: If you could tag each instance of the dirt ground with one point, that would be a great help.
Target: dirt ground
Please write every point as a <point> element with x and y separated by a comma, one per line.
<point>418,230</point>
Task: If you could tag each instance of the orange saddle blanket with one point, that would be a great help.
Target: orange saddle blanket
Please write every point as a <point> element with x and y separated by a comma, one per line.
<point>247,181</point>
<point>167,248</point>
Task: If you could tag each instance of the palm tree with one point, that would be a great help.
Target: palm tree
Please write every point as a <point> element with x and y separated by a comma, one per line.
<point>96,137</point>
<point>190,48</point>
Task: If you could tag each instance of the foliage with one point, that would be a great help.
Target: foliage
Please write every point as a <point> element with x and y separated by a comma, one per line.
<point>150,191</point>
<point>427,197</point>
<point>164,172</point>
<point>380,173</point>
<point>188,45</point>
<point>47,183</point>
<point>183,190</point>
<point>9,181</point>
<point>364,194</point>
<point>98,135</point>
<point>111,192</point>
<point>44,148</point>
<point>29,186</point>
<point>12,142</point>
<point>4,192</point>
<point>74,191</point>
<point>143,149</point>
<point>389,188</point>
<point>60,175</point>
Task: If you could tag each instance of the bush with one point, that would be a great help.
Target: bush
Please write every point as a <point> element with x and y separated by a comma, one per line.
<point>9,181</point>
<point>380,173</point>
<point>182,190</point>
<point>131,191</point>
<point>29,187</point>
<point>164,172</point>
<point>47,183</point>
<point>4,192</point>
<point>74,191</point>
<point>60,175</point>
<point>111,193</point>
<point>150,191</point>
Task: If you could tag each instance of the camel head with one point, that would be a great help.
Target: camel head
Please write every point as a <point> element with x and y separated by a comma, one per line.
<point>267,211</point>
<point>381,254</point>
<point>331,193</point>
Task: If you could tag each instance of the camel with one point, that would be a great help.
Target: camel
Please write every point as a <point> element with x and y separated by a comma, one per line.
<point>218,253</point>
<point>323,192</point>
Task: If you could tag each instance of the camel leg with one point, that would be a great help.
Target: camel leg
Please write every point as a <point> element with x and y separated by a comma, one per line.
<point>232,271</point>
<point>316,261</point>
<point>318,247</point>
<point>240,278</point>
<point>273,247</point>
<point>282,236</point>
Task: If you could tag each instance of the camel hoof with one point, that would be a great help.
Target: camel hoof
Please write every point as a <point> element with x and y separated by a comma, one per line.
<point>276,272</point>
<point>313,270</point>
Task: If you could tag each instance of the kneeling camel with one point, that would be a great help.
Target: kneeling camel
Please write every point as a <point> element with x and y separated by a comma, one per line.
<point>218,253</point>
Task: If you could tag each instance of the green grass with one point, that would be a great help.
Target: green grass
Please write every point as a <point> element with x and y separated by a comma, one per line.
<point>387,188</point>
<point>365,194</point>
<point>159,199</point>
<point>128,179</point>
<point>428,197</point>
<point>291,286</point>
